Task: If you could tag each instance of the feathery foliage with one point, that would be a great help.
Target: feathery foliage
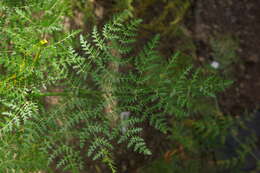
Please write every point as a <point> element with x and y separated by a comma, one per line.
<point>96,90</point>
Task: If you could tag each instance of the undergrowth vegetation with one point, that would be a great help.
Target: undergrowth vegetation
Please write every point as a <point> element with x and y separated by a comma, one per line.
<point>65,108</point>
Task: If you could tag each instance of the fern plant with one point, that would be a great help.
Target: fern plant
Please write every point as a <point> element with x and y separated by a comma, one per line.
<point>107,93</point>
<point>111,79</point>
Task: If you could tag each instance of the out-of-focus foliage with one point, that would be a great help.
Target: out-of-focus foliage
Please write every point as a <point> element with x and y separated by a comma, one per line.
<point>163,21</point>
<point>224,51</point>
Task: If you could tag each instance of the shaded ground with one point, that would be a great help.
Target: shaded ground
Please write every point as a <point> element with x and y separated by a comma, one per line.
<point>240,19</point>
